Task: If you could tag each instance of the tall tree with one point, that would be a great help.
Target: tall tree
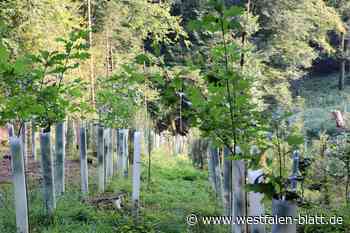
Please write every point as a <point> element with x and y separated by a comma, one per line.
<point>343,9</point>
<point>342,52</point>
<point>92,75</point>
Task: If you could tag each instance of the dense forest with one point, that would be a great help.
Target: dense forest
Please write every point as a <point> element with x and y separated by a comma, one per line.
<point>174,116</point>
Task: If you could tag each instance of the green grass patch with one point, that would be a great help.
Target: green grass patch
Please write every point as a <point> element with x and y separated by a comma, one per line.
<point>321,96</point>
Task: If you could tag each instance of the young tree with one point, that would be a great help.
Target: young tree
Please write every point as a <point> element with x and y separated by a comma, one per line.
<point>340,149</point>
<point>225,110</point>
<point>343,9</point>
<point>33,87</point>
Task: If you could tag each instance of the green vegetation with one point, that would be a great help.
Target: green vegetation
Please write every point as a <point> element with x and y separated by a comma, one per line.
<point>320,97</point>
<point>253,82</point>
<point>177,190</point>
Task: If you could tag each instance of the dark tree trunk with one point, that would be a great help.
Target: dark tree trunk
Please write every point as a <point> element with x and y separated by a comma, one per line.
<point>342,63</point>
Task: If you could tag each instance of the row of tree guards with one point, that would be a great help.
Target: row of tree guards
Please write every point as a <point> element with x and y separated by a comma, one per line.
<point>228,178</point>
<point>53,165</point>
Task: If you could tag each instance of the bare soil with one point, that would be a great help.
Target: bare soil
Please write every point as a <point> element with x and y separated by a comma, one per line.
<point>33,170</point>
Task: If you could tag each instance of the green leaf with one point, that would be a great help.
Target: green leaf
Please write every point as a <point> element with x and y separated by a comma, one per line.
<point>233,11</point>
<point>68,46</point>
<point>295,139</point>
<point>80,55</point>
<point>83,34</point>
<point>218,5</point>
<point>177,82</point>
<point>234,24</point>
<point>195,25</point>
<point>156,49</point>
<point>142,59</point>
<point>195,96</point>
<point>58,57</point>
<point>44,54</point>
<point>4,54</point>
<point>266,188</point>
<point>20,66</point>
<point>73,66</point>
<point>82,46</point>
<point>209,19</point>
<point>158,79</point>
<point>60,39</point>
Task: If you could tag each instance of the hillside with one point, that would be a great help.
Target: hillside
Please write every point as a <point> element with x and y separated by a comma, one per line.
<point>320,96</point>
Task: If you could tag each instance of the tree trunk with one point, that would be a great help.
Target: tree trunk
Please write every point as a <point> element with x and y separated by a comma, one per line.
<point>92,75</point>
<point>342,62</point>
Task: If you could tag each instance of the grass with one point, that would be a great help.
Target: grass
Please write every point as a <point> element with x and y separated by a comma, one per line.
<point>177,190</point>
<point>321,96</point>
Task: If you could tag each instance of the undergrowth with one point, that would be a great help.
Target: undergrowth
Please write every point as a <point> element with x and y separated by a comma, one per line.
<point>177,190</point>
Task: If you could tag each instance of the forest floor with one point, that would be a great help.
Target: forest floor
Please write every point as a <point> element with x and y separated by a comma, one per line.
<point>33,170</point>
<point>177,189</point>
